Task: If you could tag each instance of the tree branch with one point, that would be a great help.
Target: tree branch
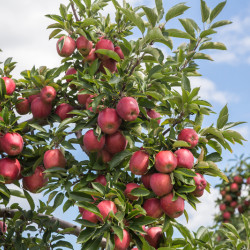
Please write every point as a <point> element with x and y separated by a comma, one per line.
<point>74,11</point>
<point>177,121</point>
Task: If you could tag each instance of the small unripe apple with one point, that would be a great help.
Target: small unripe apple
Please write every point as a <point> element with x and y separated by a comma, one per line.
<point>200,183</point>
<point>165,162</point>
<point>138,163</point>
<point>228,198</point>
<point>40,109</point>
<point>89,216</point>
<point>128,109</point>
<point>189,135</point>
<point>238,179</point>
<point>69,72</point>
<point>104,44</point>
<point>185,158</point>
<point>68,47</point>
<point>129,188</point>
<point>116,142</point>
<point>82,98</point>
<point>226,215</point>
<point>118,50</point>
<point>124,244</point>
<point>101,179</point>
<point>105,207</point>
<point>153,208</point>
<point>110,64</point>
<point>9,169</point>
<point>54,158</point>
<point>154,115</point>
<point>12,143</point>
<point>91,57</point>
<point>223,192</point>
<point>234,187</point>
<point>153,236</point>
<point>23,106</point>
<point>146,180</point>
<point>161,184</point>
<point>223,207</point>
<point>91,142</point>
<point>3,227</point>
<point>10,85</point>
<point>83,45</point>
<point>233,204</point>
<point>63,109</point>
<point>48,94</point>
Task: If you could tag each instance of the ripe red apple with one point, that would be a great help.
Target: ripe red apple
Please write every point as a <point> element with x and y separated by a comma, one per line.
<point>234,187</point>
<point>9,169</point>
<point>48,94</point>
<point>189,135</point>
<point>89,216</point>
<point>238,179</point>
<point>89,100</point>
<point>105,155</point>
<point>91,57</point>
<point>226,215</point>
<point>124,244</point>
<point>173,209</point>
<point>165,162</point>
<point>104,44</point>
<point>129,188</point>
<point>233,204</point>
<point>63,109</point>
<point>68,47</point>
<point>185,158</point>
<point>23,106</point>
<point>118,50</point>
<point>83,45</point>
<point>248,180</point>
<point>153,236</point>
<point>116,142</point>
<point>54,158</point>
<point>139,162</point>
<point>153,208</point>
<point>228,198</point>
<point>12,143</point>
<point>82,98</point>
<point>128,109</point>
<point>105,207</point>
<point>223,192</point>
<point>110,64</point>
<point>40,109</point>
<point>161,184</point>
<point>101,179</point>
<point>3,227</point>
<point>36,181</point>
<point>81,210</point>
<point>200,183</point>
<point>31,98</point>
<point>223,207</point>
<point>154,115</point>
<point>70,71</point>
<point>247,203</point>
<point>146,180</point>
<point>241,209</point>
<point>91,142</point>
<point>10,85</point>
<point>109,121</point>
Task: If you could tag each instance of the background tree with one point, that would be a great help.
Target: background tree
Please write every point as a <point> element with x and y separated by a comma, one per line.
<point>135,107</point>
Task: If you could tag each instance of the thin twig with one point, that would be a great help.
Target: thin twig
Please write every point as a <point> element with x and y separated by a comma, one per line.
<point>74,11</point>
<point>177,121</point>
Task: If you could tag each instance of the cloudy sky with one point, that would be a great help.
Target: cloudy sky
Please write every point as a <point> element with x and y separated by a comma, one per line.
<point>225,81</point>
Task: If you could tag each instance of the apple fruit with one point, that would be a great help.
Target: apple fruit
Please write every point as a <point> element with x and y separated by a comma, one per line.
<point>12,143</point>
<point>223,207</point>
<point>238,179</point>
<point>228,198</point>
<point>54,158</point>
<point>90,100</point>
<point>81,210</point>
<point>124,244</point>
<point>91,57</point>
<point>247,203</point>
<point>101,179</point>
<point>31,98</point>
<point>68,47</point>
<point>146,180</point>
<point>185,158</point>
<point>248,180</point>
<point>226,215</point>
<point>40,109</point>
<point>83,45</point>
<point>10,85</point>
<point>23,106</point>
<point>165,162</point>
<point>91,142</point>
<point>153,208</point>
<point>234,187</point>
<point>9,169</point>
<point>154,115</point>
<point>189,135</point>
<point>3,227</point>
<point>82,98</point>
<point>118,50</point>
<point>105,156</point>
<point>109,121</point>
<point>89,216</point>
<point>48,94</point>
<point>69,72</point>
<point>200,183</point>
<point>110,64</point>
<point>138,163</point>
<point>36,181</point>
<point>233,204</point>
<point>227,188</point>
<point>128,109</point>
<point>172,208</point>
<point>161,184</point>
<point>116,142</point>
<point>104,44</point>
<point>129,188</point>
<point>105,207</point>
<point>153,236</point>
<point>63,109</point>
<point>241,209</point>
<point>223,192</point>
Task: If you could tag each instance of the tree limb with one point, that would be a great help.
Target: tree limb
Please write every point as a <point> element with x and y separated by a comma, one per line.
<point>74,11</point>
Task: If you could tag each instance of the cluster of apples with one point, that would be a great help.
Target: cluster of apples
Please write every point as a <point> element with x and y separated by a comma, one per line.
<point>230,198</point>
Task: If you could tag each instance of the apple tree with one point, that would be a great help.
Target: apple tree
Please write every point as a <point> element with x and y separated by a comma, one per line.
<point>116,129</point>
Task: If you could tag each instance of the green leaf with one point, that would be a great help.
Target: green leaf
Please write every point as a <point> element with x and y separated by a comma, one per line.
<point>212,131</point>
<point>118,231</point>
<point>85,235</point>
<point>207,33</point>
<point>213,168</point>
<point>185,172</point>
<point>159,7</point>
<point>233,134</point>
<point>179,34</point>
<point>185,83</point>
<point>176,10</point>
<point>37,127</point>
<point>4,190</point>
<point>188,26</point>
<point>216,11</point>
<point>89,21</point>
<point>151,15</point>
<point>215,145</point>
<point>223,117</point>
<point>62,243</point>
<point>118,158</point>
<point>140,192</point>
<point>181,144</point>
<point>220,23</point>
<point>109,53</point>
<point>202,56</point>
<point>247,226</point>
<point>63,11</point>
<point>58,200</point>
<point>213,45</point>
<point>99,187</point>
<point>232,229</point>
<point>204,11</point>
<point>2,88</point>
<point>54,33</point>
<point>16,193</point>
<point>67,145</point>
<point>90,207</point>
<point>30,200</point>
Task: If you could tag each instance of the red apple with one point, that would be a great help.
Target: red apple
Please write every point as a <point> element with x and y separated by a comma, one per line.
<point>233,204</point>
<point>48,94</point>
<point>116,142</point>
<point>101,179</point>
<point>70,71</point>
<point>67,48</point>
<point>105,155</point>
<point>153,208</point>
<point>91,57</point>
<point>9,169</point>
<point>89,100</point>
<point>91,142</point>
<point>247,203</point>
<point>128,109</point>
<point>31,98</point>
<point>109,121</point>
<point>185,158</point>
<point>110,64</point>
<point>81,210</point>
<point>223,207</point>
<point>54,158</point>
<point>62,111</point>
<point>89,216</point>
<point>10,85</point>
<point>153,236</point>
<point>12,143</point>
<point>83,45</point>
<point>23,106</point>
<point>248,180</point>
<point>36,181</point>
<point>165,162</point>
<point>223,192</point>
<point>119,52</point>
<point>40,109</point>
<point>105,207</point>
<point>124,244</point>
<point>234,187</point>
<point>154,115</point>
<point>82,98</point>
<point>200,183</point>
<point>161,184</point>
<point>129,188</point>
<point>104,44</point>
<point>238,179</point>
<point>139,163</point>
<point>189,135</point>
<point>3,227</point>
<point>172,208</point>
<point>226,215</point>
<point>228,198</point>
<point>241,209</point>
<point>146,180</point>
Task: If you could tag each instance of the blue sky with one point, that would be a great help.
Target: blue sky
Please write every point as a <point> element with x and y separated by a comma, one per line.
<point>224,81</point>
